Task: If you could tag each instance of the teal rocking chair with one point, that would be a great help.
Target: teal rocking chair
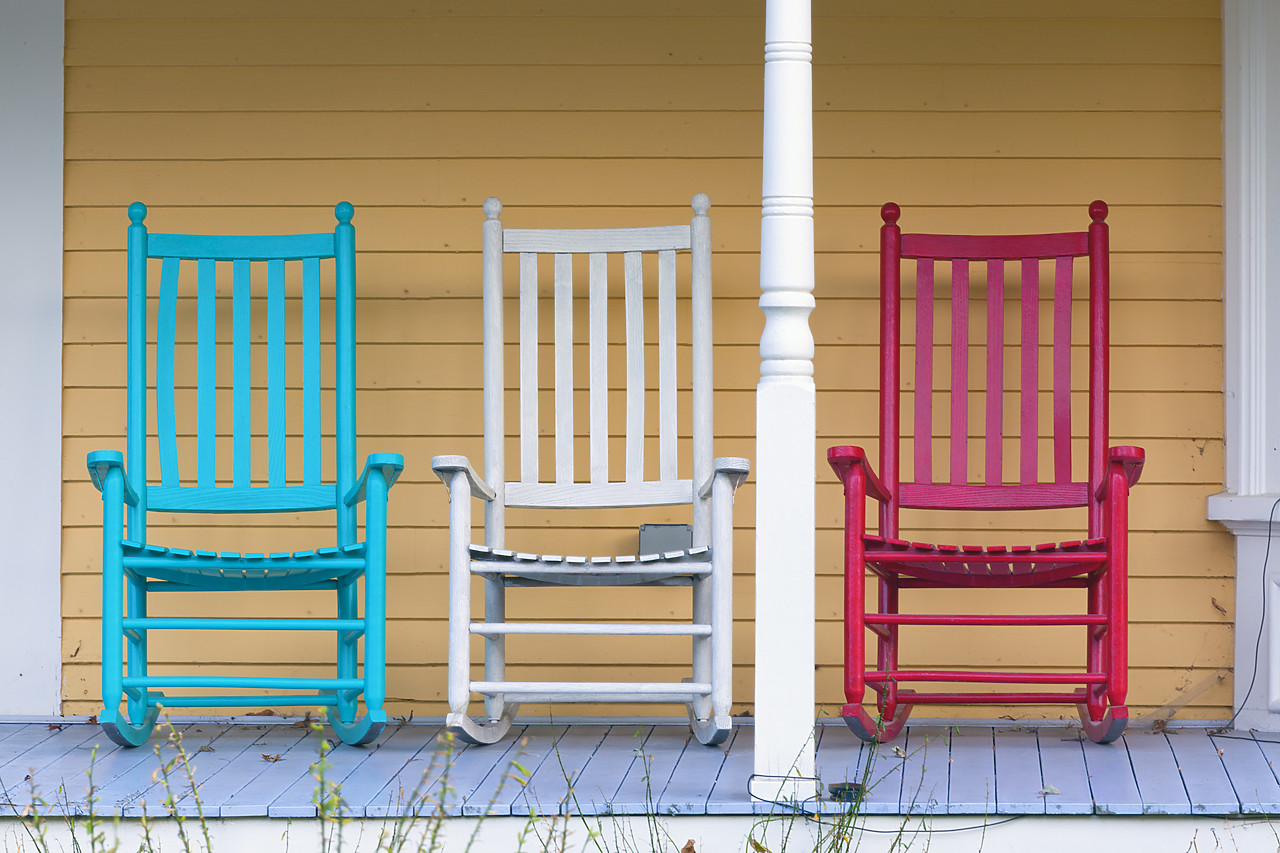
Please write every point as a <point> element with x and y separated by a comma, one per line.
<point>222,377</point>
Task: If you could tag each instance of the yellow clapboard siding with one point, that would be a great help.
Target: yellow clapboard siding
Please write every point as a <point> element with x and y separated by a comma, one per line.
<point>1004,118</point>
<point>630,41</point>
<point>925,86</point>
<point>411,135</point>
<point>644,181</point>
<point>422,274</point>
<point>735,228</point>
<point>90,9</point>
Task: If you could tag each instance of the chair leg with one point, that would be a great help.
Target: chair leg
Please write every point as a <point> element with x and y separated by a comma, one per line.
<point>876,729</point>
<point>345,709</point>
<point>1107,729</point>
<point>481,734</point>
<point>134,727</point>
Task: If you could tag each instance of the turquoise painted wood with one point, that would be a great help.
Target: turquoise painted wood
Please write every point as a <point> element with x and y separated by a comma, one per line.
<point>272,290</point>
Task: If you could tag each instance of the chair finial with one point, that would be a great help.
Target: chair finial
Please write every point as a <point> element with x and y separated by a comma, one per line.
<point>344,211</point>
<point>890,213</point>
<point>1098,210</point>
<point>137,212</point>
<point>492,207</point>
<point>701,204</point>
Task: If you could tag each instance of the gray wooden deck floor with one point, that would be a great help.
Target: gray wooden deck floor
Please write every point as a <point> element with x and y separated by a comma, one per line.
<point>634,768</point>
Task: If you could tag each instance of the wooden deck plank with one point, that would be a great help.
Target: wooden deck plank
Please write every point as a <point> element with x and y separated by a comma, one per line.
<point>241,752</point>
<point>1115,790</point>
<point>551,788</point>
<point>694,777</point>
<point>193,738</point>
<point>470,767</point>
<point>1156,771</point>
<point>496,794</point>
<point>68,776</point>
<point>418,784</point>
<point>282,769</point>
<point>123,775</point>
<point>600,779</point>
<point>1062,766</point>
<point>972,787</point>
<point>340,761</point>
<point>389,755</point>
<point>23,741</point>
<point>884,778</point>
<point>1020,787</point>
<point>33,761</point>
<point>647,777</point>
<point>1208,785</point>
<point>730,795</point>
<point>1251,775</point>
<point>926,771</point>
<point>1269,744</point>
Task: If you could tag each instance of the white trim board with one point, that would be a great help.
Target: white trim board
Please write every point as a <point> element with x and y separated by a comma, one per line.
<point>1251,335</point>
<point>31,149</point>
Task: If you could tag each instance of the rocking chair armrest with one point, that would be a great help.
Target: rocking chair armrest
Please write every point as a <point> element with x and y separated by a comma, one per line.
<point>446,465</point>
<point>1130,460</point>
<point>100,462</point>
<point>734,467</point>
<point>389,465</point>
<point>843,458</point>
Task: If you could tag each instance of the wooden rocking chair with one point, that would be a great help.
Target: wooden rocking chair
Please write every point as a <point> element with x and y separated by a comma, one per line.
<point>1097,562</point>
<point>243,472</point>
<point>708,485</point>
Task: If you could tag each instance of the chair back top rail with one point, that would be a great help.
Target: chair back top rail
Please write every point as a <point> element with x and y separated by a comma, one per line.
<point>212,343</point>
<point>952,298</point>
<point>582,276</point>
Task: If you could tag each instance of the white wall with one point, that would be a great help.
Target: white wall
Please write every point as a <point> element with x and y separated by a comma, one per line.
<point>31,108</point>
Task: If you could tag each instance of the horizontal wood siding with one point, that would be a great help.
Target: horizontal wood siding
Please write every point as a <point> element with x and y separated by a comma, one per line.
<point>985,115</point>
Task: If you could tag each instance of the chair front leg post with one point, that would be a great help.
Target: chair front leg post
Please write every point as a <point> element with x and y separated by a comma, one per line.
<point>459,593</point>
<point>721,605</point>
<point>1118,581</point>
<point>703,595</point>
<point>855,590</point>
<point>112,592</point>
<point>375,595</point>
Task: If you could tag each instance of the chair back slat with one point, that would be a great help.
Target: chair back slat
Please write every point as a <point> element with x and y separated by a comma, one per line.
<point>276,400</point>
<point>311,371</point>
<point>995,373</point>
<point>241,375</point>
<point>959,371</point>
<point>564,366</point>
<point>207,373</point>
<point>633,297</point>
<point>668,458</point>
<point>626,255</point>
<point>1030,388</point>
<point>528,367</point>
<point>1062,370</point>
<point>166,350</point>
<point>258,272</point>
<point>1056,484</point>
<point>598,356</point>
<point>924,370</point>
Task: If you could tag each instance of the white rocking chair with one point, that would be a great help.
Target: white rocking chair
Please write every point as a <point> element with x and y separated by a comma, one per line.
<point>706,567</point>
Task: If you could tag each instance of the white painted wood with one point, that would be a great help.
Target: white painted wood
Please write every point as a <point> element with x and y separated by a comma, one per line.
<point>633,295</point>
<point>667,456</point>
<point>1251,316</point>
<point>528,368</point>
<point>639,493</point>
<point>598,356</point>
<point>494,406</point>
<point>31,221</point>
<point>708,569</point>
<point>786,426</point>
<point>564,367</point>
<point>584,240</point>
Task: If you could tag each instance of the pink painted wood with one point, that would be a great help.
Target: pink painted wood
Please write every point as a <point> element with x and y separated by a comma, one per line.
<point>1096,562</point>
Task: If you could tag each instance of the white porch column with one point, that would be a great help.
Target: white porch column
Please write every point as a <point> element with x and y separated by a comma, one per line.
<point>31,106</point>
<point>785,415</point>
<point>1251,308</point>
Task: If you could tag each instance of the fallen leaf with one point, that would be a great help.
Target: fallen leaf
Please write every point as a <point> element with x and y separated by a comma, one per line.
<point>93,720</point>
<point>688,847</point>
<point>1221,753</point>
<point>206,748</point>
<point>900,752</point>
<point>405,720</point>
<point>265,712</point>
<point>55,727</point>
<point>1159,726</point>
<point>1048,791</point>
<point>273,758</point>
<point>304,723</point>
